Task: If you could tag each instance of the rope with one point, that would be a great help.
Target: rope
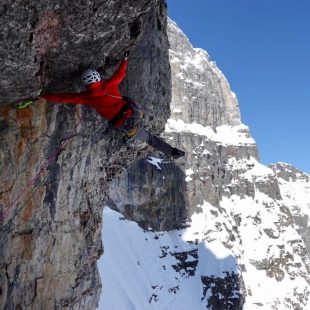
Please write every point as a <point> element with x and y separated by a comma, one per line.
<point>63,143</point>
<point>118,97</point>
<point>18,211</point>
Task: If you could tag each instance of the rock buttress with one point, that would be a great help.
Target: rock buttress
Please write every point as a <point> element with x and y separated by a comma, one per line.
<point>51,217</point>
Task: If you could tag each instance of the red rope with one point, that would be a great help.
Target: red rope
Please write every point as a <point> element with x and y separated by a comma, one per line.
<point>45,165</point>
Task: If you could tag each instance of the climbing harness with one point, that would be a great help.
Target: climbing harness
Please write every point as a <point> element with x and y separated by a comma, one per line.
<point>120,114</point>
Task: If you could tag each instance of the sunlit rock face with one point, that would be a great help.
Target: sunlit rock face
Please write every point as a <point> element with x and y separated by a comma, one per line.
<point>243,229</point>
<point>295,190</point>
<point>201,93</point>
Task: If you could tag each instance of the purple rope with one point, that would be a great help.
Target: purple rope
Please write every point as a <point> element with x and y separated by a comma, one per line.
<point>43,167</point>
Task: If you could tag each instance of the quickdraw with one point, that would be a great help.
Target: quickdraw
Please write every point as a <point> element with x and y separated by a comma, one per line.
<point>23,104</point>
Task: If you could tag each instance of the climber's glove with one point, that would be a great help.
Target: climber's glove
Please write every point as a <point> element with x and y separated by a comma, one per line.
<point>126,54</point>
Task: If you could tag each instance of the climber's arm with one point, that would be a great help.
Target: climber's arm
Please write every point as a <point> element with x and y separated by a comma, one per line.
<point>74,98</point>
<point>120,74</point>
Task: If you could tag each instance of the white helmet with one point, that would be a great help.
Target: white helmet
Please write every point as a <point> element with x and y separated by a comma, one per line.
<point>90,76</point>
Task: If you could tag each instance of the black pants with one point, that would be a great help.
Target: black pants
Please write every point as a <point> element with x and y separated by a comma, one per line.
<point>134,129</point>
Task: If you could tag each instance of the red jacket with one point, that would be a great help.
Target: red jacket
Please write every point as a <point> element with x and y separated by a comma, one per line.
<point>103,96</point>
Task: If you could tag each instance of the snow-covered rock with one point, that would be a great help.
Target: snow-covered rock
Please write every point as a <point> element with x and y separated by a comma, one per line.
<point>295,191</point>
<point>243,243</point>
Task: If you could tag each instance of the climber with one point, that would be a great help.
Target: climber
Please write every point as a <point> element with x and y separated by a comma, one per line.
<point>104,96</point>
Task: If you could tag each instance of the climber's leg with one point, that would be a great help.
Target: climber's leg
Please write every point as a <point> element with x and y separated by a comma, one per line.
<point>157,143</point>
<point>134,129</point>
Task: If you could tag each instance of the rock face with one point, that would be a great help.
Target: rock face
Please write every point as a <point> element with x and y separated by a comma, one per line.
<point>203,106</point>
<point>153,199</point>
<point>56,160</point>
<point>295,191</point>
<point>201,92</point>
<point>47,44</point>
<point>247,230</point>
<point>218,230</point>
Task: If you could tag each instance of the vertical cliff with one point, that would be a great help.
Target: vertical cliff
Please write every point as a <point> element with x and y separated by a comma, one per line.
<point>56,160</point>
<point>242,228</point>
<point>215,229</point>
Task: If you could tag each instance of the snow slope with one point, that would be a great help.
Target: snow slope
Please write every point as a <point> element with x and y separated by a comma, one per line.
<point>140,268</point>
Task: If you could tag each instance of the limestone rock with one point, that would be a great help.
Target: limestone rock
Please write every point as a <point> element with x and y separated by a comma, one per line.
<point>51,201</point>
<point>200,96</point>
<point>231,201</point>
<point>295,190</point>
<point>201,92</point>
<point>155,202</point>
<point>47,44</point>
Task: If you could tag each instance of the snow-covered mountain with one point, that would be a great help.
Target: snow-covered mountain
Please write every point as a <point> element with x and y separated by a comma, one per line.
<point>217,230</point>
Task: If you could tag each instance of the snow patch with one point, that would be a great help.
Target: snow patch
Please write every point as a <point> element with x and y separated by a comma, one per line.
<point>139,268</point>
<point>155,162</point>
<point>254,171</point>
<point>227,135</point>
<point>188,173</point>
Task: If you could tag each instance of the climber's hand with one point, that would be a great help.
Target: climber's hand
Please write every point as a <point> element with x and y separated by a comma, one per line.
<point>126,54</point>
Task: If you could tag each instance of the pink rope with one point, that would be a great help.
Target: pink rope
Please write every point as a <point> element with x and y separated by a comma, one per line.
<point>43,167</point>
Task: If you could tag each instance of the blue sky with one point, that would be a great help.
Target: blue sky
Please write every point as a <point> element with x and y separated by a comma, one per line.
<point>263,48</point>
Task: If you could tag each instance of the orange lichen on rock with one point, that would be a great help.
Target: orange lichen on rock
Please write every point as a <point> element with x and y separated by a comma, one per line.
<point>5,111</point>
<point>22,244</point>
<point>27,212</point>
<point>19,148</point>
<point>23,118</point>
<point>27,243</point>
